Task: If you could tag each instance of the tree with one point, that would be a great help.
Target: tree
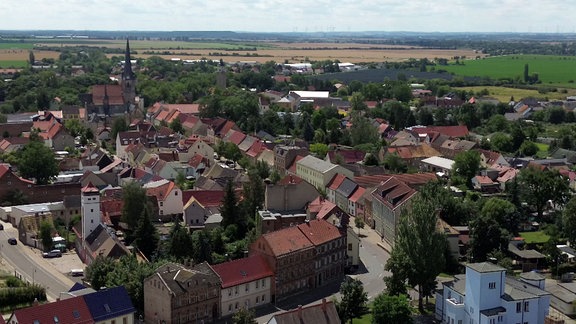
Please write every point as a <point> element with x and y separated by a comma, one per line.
<point>229,208</point>
<point>201,247</point>
<point>357,101</point>
<point>421,245</point>
<point>146,235</point>
<point>394,163</point>
<point>528,148</point>
<point>391,309</point>
<point>359,223</point>
<point>501,142</point>
<point>37,161</point>
<point>180,244</point>
<point>540,186</point>
<point>31,58</point>
<point>569,220</point>
<point>362,131</point>
<point>96,273</point>
<point>229,151</point>
<point>371,160</point>
<point>135,201</point>
<point>319,149</point>
<point>176,126</point>
<point>466,165</point>
<point>46,235</point>
<point>119,125</point>
<point>487,231</point>
<point>354,299</point>
<point>244,316</point>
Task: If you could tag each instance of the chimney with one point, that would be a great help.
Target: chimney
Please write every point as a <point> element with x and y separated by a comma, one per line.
<point>300,311</point>
<point>324,305</point>
<point>35,302</point>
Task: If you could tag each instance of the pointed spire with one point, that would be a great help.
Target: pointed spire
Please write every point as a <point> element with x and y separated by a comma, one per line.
<point>127,73</point>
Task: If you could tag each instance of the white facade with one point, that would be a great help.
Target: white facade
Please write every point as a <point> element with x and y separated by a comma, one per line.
<point>246,295</point>
<point>486,296</point>
<point>90,200</point>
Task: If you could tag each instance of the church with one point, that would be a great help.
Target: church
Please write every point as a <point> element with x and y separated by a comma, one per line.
<point>113,99</point>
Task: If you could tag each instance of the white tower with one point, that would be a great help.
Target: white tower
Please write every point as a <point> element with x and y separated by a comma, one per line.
<point>90,209</point>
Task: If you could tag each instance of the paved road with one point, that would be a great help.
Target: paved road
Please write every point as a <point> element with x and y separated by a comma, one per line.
<point>30,266</point>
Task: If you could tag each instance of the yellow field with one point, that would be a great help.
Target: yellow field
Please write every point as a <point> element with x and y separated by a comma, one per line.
<point>22,54</point>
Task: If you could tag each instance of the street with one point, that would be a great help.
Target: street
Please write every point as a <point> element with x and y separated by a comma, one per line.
<point>30,266</point>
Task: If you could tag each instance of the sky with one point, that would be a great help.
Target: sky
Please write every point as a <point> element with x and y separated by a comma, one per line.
<point>549,16</point>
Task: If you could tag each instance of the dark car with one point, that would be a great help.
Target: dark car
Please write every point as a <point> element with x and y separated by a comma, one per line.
<point>1,227</point>
<point>12,241</point>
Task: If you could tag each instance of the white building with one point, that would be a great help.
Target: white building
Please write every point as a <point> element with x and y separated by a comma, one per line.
<point>319,172</point>
<point>90,202</point>
<point>484,295</point>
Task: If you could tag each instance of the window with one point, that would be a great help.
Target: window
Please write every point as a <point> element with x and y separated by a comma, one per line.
<point>500,318</point>
<point>349,246</point>
<point>518,307</point>
<point>230,307</point>
<point>257,282</point>
<point>247,287</point>
<point>175,193</point>
<point>526,304</point>
<point>161,203</point>
<point>257,299</point>
<point>492,285</point>
<point>91,210</point>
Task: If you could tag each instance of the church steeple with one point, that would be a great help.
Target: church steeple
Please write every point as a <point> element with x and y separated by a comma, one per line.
<point>127,74</point>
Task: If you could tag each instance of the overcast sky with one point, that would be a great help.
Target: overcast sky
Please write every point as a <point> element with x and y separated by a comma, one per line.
<point>289,16</point>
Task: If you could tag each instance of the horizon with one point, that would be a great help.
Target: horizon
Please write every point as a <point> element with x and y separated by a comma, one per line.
<point>297,16</point>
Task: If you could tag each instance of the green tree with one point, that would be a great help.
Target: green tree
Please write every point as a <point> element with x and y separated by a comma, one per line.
<point>244,316</point>
<point>146,235</point>
<point>394,163</point>
<point>180,244</point>
<point>487,231</point>
<point>31,58</point>
<point>359,223</point>
<point>569,220</point>
<point>391,309</point>
<point>176,126</point>
<point>319,149</point>
<point>46,235</point>
<point>357,101</point>
<point>528,148</point>
<point>135,201</point>
<point>540,186</point>
<point>229,209</point>
<point>422,246</point>
<point>119,125</point>
<point>97,272</point>
<point>465,167</point>
<point>229,151</point>
<point>501,142</point>
<point>74,127</point>
<point>201,247</point>
<point>37,161</point>
<point>354,300</point>
<point>371,160</point>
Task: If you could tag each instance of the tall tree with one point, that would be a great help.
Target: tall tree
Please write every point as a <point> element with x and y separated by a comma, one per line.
<point>391,309</point>
<point>540,186</point>
<point>119,125</point>
<point>146,235</point>
<point>98,271</point>
<point>180,244</point>
<point>229,209</point>
<point>422,245</point>
<point>362,131</point>
<point>135,201</point>
<point>46,235</point>
<point>37,161</point>
<point>465,167</point>
<point>354,298</point>
<point>569,220</point>
<point>488,231</point>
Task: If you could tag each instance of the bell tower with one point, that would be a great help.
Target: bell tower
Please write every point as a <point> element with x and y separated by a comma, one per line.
<point>90,202</point>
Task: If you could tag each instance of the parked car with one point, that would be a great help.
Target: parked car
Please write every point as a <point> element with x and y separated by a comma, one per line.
<point>12,241</point>
<point>1,227</point>
<point>52,254</point>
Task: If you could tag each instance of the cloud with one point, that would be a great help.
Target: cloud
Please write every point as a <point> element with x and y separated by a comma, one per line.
<point>282,15</point>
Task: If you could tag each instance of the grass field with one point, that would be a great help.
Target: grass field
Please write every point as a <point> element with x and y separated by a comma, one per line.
<point>535,237</point>
<point>504,93</point>
<point>18,64</point>
<point>16,45</point>
<point>557,70</point>
<point>542,150</point>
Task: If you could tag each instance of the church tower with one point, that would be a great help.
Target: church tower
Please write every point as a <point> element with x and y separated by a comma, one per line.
<point>90,201</point>
<point>128,79</point>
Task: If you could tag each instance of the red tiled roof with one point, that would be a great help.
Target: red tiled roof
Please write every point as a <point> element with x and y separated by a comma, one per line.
<point>287,240</point>
<point>349,156</point>
<point>197,159</point>
<point>484,180</point>
<point>452,131</point>
<point>89,188</point>
<point>244,270</point>
<point>319,231</point>
<point>69,311</point>
<point>411,179</point>
<point>292,168</point>
<point>207,198</point>
<point>336,181</point>
<point>3,170</point>
<point>393,192</point>
<point>114,92</point>
<point>256,149</point>
<point>357,194</point>
<point>162,191</point>
<point>235,137</point>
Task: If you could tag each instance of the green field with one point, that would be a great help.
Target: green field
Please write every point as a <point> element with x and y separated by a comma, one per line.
<point>150,44</point>
<point>557,70</point>
<point>15,45</point>
<point>13,64</point>
<point>503,94</point>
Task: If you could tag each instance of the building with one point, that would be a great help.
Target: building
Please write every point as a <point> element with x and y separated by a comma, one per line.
<point>168,197</point>
<point>179,294</point>
<point>201,204</point>
<point>485,295</point>
<point>246,283</point>
<point>285,155</point>
<point>90,202</point>
<point>291,193</point>
<point>319,172</point>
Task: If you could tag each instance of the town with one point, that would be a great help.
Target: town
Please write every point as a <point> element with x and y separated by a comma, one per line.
<point>152,190</point>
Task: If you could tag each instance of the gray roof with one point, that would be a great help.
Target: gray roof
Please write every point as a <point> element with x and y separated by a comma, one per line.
<point>176,276</point>
<point>316,164</point>
<point>347,187</point>
<point>458,284</point>
<point>532,275</point>
<point>525,287</point>
<point>525,254</point>
<point>485,267</point>
<point>493,311</point>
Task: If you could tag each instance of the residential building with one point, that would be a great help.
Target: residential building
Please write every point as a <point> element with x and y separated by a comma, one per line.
<point>291,193</point>
<point>324,313</point>
<point>485,295</point>
<point>319,172</point>
<point>110,305</point>
<point>439,165</point>
<point>269,221</point>
<point>389,199</point>
<point>201,204</point>
<point>168,196</point>
<point>179,294</point>
<point>285,155</point>
<point>29,229</point>
<point>246,283</point>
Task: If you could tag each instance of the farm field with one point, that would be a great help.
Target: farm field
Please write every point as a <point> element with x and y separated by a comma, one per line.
<point>556,70</point>
<point>504,94</point>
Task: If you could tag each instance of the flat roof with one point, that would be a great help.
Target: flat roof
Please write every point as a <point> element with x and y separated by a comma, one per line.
<point>438,161</point>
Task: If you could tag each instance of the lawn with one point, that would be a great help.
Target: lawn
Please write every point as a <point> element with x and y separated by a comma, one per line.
<point>16,45</point>
<point>557,70</point>
<point>13,64</point>
<point>535,237</point>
